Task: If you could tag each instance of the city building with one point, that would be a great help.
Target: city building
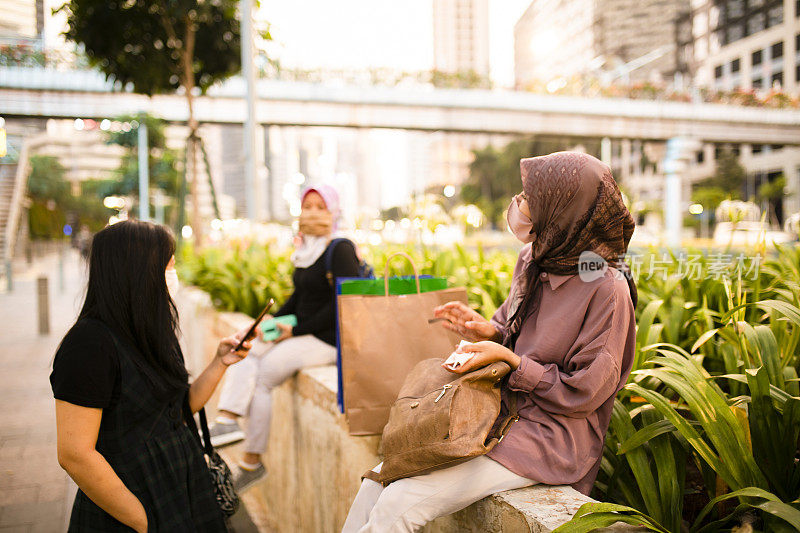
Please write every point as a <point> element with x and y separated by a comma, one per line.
<point>750,45</point>
<point>22,20</point>
<point>746,44</point>
<point>602,39</point>
<point>34,23</point>
<point>461,36</point>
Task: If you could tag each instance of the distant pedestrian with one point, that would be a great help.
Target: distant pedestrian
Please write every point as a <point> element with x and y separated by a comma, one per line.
<point>122,394</point>
<point>247,390</point>
<point>568,338</point>
<point>83,242</point>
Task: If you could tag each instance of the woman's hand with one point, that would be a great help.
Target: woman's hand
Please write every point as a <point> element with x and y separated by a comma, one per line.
<point>462,319</point>
<point>485,353</point>
<point>225,353</point>
<point>286,332</point>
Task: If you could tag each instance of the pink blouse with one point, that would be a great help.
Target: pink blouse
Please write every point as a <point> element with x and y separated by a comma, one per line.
<point>577,349</point>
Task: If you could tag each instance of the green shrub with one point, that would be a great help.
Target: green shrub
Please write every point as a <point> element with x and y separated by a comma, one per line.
<point>46,221</point>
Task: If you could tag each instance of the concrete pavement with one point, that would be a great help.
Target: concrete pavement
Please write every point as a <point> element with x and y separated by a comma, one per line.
<point>35,493</point>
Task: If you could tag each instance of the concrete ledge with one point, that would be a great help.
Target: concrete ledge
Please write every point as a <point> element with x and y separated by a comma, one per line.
<point>315,466</point>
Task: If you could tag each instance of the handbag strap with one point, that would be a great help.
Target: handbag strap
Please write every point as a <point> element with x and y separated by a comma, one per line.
<point>329,257</point>
<point>513,416</point>
<point>206,433</point>
<point>190,421</point>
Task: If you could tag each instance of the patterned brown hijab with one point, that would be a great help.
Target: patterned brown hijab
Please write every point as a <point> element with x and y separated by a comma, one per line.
<point>575,206</point>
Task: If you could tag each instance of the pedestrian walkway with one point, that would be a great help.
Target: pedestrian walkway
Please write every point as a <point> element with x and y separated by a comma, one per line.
<point>35,493</point>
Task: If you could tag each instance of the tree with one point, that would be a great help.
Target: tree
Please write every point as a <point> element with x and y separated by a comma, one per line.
<point>159,47</point>
<point>771,193</point>
<point>494,175</point>
<point>729,175</point>
<point>163,162</point>
<point>46,180</point>
<point>708,197</point>
<point>53,205</point>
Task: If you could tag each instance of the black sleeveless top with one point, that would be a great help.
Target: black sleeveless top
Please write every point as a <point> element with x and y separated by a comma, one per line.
<point>142,436</point>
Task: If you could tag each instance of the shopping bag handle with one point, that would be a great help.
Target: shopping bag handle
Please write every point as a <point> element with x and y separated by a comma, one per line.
<point>386,272</point>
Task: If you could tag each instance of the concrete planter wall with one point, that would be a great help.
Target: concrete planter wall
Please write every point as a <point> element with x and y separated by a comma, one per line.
<point>315,466</point>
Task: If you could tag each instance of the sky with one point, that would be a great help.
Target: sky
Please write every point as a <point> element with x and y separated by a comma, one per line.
<point>353,34</point>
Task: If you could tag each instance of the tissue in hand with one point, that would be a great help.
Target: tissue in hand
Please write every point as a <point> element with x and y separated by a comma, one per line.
<point>458,359</point>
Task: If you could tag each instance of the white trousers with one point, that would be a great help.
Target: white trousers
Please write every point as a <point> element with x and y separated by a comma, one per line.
<point>247,389</point>
<point>408,504</point>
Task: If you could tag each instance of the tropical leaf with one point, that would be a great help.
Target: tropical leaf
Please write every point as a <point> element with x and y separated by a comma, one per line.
<point>591,516</point>
<point>775,436</point>
<point>755,497</point>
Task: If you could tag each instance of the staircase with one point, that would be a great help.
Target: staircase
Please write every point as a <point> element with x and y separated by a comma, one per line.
<point>8,174</point>
<point>13,177</point>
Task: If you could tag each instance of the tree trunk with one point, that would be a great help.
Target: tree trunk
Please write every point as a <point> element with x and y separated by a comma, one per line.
<point>188,82</point>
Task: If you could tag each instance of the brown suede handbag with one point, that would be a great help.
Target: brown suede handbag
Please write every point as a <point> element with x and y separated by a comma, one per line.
<point>441,419</point>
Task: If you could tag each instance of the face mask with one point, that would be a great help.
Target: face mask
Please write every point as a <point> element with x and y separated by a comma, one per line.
<point>171,275</point>
<point>316,223</point>
<point>519,224</point>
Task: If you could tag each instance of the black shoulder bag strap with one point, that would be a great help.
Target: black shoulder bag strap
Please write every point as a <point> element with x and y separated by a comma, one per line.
<point>329,257</point>
<point>205,443</point>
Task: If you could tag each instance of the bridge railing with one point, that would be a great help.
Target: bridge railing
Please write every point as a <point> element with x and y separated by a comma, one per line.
<point>51,77</point>
<point>56,92</point>
<point>37,57</point>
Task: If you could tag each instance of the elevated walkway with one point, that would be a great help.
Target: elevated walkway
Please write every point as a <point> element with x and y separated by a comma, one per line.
<point>43,92</point>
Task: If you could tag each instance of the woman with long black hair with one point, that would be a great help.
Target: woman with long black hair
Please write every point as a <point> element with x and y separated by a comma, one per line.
<point>122,393</point>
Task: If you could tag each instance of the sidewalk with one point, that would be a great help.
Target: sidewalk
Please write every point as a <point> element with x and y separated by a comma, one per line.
<point>35,493</point>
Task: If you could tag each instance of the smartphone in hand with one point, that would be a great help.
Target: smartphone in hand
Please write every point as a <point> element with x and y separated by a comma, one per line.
<point>252,331</point>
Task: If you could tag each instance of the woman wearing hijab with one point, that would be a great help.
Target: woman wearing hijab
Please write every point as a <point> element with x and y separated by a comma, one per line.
<point>567,330</point>
<point>247,391</point>
<point>122,394</point>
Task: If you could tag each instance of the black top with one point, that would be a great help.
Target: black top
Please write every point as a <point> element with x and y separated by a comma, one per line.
<point>313,299</point>
<point>86,367</point>
<point>142,436</point>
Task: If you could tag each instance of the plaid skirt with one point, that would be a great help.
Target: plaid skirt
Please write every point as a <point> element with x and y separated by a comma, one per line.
<point>168,474</point>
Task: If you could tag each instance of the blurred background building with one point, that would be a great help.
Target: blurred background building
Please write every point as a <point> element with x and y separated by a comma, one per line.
<point>749,46</point>
<point>685,50</point>
<point>739,44</point>
<point>22,19</point>
<point>623,39</point>
<point>461,36</point>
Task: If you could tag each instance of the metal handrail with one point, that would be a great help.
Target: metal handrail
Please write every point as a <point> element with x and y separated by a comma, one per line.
<point>15,209</point>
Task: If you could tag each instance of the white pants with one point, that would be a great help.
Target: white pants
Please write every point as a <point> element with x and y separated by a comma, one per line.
<point>247,389</point>
<point>408,504</point>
